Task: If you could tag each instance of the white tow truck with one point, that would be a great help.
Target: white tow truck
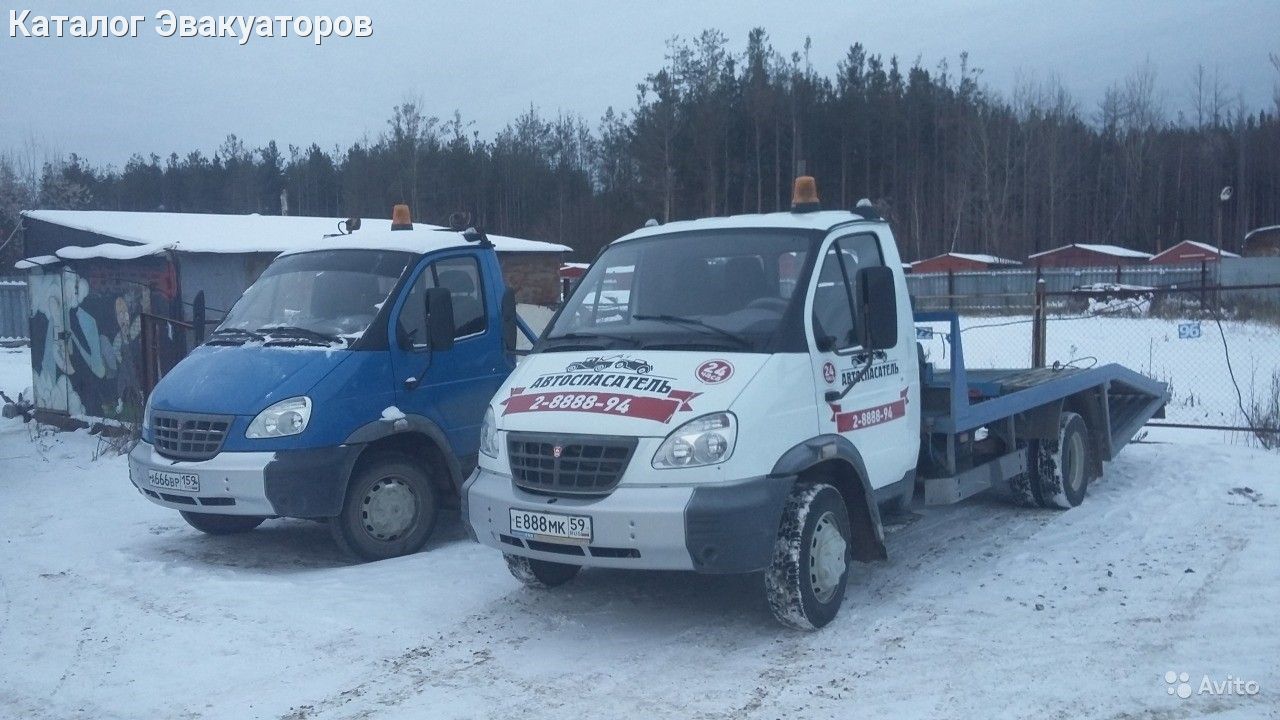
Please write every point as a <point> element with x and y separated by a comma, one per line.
<point>732,395</point>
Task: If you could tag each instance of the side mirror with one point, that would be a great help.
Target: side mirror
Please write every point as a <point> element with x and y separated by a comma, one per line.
<point>877,305</point>
<point>509,320</point>
<point>440,327</point>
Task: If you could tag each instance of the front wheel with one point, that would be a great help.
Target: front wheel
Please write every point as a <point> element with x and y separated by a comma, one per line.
<point>805,581</point>
<point>221,524</point>
<point>390,509</point>
<point>541,574</point>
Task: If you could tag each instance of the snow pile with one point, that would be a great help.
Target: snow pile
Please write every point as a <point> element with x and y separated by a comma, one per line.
<point>1129,306</point>
<point>15,371</point>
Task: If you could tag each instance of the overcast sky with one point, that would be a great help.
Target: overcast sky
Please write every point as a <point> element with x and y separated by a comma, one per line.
<point>108,98</point>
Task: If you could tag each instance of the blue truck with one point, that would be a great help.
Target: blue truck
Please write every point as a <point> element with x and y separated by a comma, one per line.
<point>347,384</point>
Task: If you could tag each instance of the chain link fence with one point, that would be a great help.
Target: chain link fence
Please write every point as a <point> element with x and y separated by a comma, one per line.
<point>1217,346</point>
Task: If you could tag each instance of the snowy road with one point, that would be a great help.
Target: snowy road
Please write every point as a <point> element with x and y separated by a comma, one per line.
<point>112,607</point>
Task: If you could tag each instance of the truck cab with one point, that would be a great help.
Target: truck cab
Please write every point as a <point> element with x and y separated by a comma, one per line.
<point>348,384</point>
<point>724,395</point>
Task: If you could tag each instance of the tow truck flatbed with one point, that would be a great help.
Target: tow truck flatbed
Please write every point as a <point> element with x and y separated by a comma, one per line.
<point>1014,404</point>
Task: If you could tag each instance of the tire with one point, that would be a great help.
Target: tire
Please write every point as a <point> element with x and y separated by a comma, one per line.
<point>221,524</point>
<point>541,574</point>
<point>1024,491</point>
<point>1064,466</point>
<point>805,582</point>
<point>390,509</point>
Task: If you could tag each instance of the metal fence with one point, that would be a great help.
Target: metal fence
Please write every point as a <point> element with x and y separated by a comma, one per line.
<point>1215,345</point>
<point>14,310</point>
<point>1007,289</point>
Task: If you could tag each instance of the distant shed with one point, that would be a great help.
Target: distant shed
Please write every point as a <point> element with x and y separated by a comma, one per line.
<point>92,275</point>
<point>1088,255</point>
<point>1189,252</point>
<point>1263,242</point>
<point>963,262</point>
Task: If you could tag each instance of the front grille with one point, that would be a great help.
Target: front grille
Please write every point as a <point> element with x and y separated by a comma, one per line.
<point>189,436</point>
<point>568,464</point>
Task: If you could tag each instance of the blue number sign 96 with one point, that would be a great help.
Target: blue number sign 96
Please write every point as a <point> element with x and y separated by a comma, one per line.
<point>1188,331</point>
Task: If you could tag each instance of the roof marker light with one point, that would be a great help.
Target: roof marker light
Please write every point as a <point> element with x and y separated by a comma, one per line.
<point>804,195</point>
<point>400,219</point>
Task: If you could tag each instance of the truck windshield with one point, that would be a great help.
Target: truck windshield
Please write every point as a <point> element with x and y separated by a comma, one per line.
<point>314,297</point>
<point>720,289</point>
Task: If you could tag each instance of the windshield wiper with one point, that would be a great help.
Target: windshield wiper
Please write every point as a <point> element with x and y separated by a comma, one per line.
<point>231,335</point>
<point>295,333</point>
<point>569,338</point>
<point>695,322</point>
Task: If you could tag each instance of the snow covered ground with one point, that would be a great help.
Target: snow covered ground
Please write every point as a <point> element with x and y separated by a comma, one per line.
<point>111,607</point>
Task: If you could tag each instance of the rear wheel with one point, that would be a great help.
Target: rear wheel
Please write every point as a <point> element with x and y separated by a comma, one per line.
<point>390,509</point>
<point>540,574</point>
<point>805,581</point>
<point>221,524</point>
<point>1064,467</point>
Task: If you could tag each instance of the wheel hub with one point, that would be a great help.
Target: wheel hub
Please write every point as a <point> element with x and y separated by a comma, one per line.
<point>389,509</point>
<point>827,558</point>
<point>1074,458</point>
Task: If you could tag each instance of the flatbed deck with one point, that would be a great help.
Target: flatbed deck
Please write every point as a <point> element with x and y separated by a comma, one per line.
<point>1016,404</point>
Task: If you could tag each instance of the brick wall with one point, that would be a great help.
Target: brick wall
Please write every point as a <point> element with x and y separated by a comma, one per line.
<point>534,276</point>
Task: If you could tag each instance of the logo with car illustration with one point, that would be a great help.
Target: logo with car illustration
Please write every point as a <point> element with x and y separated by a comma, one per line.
<point>616,362</point>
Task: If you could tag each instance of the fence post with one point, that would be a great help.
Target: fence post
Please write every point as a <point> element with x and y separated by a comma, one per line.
<point>1204,280</point>
<point>951,288</point>
<point>1039,326</point>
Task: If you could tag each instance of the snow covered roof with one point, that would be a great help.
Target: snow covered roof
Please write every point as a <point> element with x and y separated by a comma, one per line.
<point>1268,228</point>
<point>1206,247</point>
<point>820,220</point>
<point>974,257</point>
<point>34,262</point>
<point>1114,250</point>
<point>145,233</point>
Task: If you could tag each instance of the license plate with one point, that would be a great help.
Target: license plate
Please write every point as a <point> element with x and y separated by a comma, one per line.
<point>550,526</point>
<point>184,482</point>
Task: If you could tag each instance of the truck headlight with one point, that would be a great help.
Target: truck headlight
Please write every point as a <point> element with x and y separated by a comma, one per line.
<point>287,417</point>
<point>489,435</point>
<point>146,416</point>
<point>707,440</point>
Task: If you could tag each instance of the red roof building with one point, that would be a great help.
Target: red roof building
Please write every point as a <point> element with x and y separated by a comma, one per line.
<point>1088,255</point>
<point>962,262</point>
<point>573,271</point>
<point>1190,252</point>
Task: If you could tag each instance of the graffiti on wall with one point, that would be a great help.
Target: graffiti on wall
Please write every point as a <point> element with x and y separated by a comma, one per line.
<point>86,326</point>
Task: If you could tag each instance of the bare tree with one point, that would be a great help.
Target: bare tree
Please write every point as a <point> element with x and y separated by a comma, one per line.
<point>1275,91</point>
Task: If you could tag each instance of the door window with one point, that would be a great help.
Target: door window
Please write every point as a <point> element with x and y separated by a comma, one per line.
<point>461,276</point>
<point>833,310</point>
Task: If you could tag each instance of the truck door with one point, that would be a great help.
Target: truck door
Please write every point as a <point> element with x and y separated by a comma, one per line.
<point>874,414</point>
<point>452,387</point>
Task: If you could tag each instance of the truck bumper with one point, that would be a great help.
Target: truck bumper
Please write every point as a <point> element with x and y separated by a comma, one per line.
<point>714,528</point>
<point>296,483</point>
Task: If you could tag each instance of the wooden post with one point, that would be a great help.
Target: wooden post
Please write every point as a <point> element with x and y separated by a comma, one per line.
<point>951,288</point>
<point>1204,280</point>
<point>1039,325</point>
